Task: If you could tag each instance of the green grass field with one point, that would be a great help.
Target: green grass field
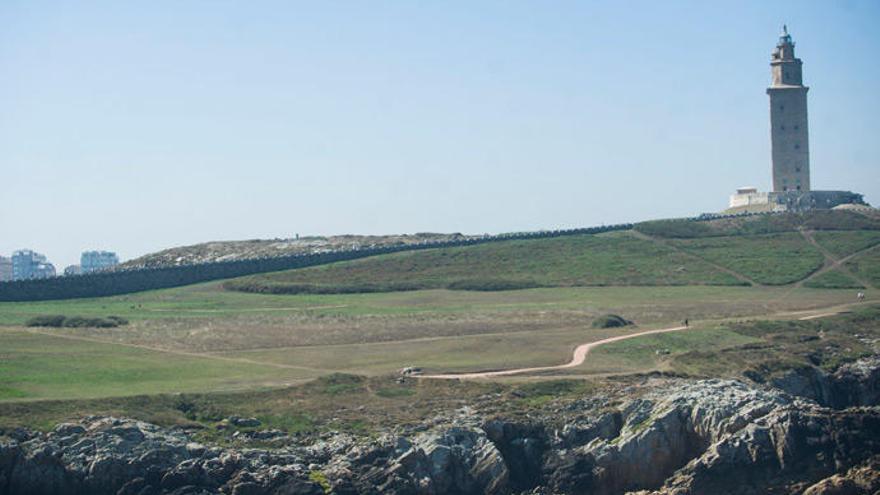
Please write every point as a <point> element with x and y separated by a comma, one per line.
<point>358,404</point>
<point>208,339</point>
<point>237,352</point>
<point>37,366</point>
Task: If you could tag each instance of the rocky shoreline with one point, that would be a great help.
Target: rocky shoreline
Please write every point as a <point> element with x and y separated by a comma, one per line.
<point>667,436</point>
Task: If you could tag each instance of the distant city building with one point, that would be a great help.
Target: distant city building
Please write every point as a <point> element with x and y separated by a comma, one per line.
<point>5,269</point>
<point>93,261</point>
<point>72,270</point>
<point>27,264</point>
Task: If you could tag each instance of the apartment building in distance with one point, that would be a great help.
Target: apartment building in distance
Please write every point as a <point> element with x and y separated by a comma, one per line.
<point>5,269</point>
<point>28,264</point>
<point>94,261</point>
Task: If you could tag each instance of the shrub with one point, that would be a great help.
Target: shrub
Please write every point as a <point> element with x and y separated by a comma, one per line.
<point>58,321</point>
<point>260,287</point>
<point>611,321</point>
<point>118,319</point>
<point>82,322</point>
<point>55,321</point>
<point>492,285</point>
<point>679,228</point>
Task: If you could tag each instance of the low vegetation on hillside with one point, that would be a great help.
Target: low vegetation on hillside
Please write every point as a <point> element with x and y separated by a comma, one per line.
<point>585,260</point>
<point>766,250</point>
<point>789,345</point>
<point>759,224</point>
<point>757,350</point>
<point>772,259</point>
<point>833,279</point>
<point>59,321</point>
<point>842,244</point>
<point>867,266</point>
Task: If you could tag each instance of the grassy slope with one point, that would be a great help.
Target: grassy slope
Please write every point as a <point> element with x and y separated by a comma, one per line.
<point>773,259</point>
<point>575,261</point>
<point>867,266</point>
<point>817,220</point>
<point>567,261</point>
<point>843,244</point>
<point>766,249</point>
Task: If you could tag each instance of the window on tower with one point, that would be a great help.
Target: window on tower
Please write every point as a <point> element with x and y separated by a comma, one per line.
<point>781,107</point>
<point>797,146</point>
<point>782,127</point>
<point>796,127</point>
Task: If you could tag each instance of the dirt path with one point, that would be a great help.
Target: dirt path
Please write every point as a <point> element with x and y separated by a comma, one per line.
<point>832,263</point>
<point>577,359</point>
<point>733,273</point>
<point>177,353</point>
<point>581,351</point>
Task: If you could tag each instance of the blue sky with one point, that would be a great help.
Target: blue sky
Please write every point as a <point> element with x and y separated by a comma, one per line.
<point>135,126</point>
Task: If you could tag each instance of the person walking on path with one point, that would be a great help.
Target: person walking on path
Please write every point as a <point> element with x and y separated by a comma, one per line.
<point>685,322</point>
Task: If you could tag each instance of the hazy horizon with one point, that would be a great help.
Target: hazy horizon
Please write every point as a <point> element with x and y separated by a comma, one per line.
<point>139,127</point>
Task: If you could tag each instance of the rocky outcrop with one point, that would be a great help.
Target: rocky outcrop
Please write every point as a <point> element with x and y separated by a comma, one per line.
<point>661,433</point>
<point>665,436</point>
<point>860,480</point>
<point>781,451</point>
<point>852,384</point>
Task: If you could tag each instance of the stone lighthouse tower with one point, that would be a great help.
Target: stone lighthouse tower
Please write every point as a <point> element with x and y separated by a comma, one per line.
<point>788,119</point>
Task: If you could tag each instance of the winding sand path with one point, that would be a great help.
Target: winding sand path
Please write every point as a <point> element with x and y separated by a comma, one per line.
<point>581,351</point>
<point>577,359</point>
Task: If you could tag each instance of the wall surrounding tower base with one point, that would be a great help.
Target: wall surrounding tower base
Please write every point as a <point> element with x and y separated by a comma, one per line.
<point>761,202</point>
<point>814,200</point>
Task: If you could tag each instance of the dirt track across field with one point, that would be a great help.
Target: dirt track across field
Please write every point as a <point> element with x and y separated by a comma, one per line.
<point>577,359</point>
<point>580,353</point>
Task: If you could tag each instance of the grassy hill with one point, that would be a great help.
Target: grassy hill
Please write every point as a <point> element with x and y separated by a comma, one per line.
<point>245,353</point>
<point>760,250</point>
<point>584,260</point>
